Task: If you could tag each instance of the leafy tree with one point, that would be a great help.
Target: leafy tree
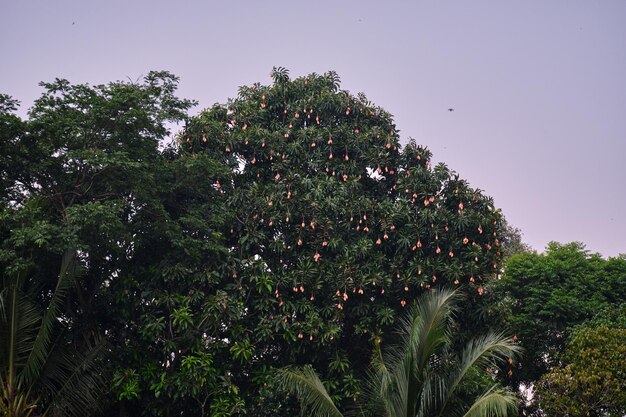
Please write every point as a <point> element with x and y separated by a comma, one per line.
<point>590,380</point>
<point>86,171</point>
<point>174,359</point>
<point>335,229</point>
<point>549,293</point>
<point>543,297</point>
<point>421,375</point>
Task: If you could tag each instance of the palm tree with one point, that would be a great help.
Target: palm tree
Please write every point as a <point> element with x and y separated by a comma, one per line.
<point>42,373</point>
<point>421,376</point>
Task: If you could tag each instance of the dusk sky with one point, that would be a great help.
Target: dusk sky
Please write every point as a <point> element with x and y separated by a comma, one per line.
<point>538,88</point>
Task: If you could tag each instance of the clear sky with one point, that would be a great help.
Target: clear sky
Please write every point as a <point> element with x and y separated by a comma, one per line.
<point>538,87</point>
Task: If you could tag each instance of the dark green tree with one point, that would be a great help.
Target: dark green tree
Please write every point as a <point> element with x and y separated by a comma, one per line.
<point>591,377</point>
<point>543,297</point>
<point>86,171</point>
<point>549,293</point>
<point>336,228</point>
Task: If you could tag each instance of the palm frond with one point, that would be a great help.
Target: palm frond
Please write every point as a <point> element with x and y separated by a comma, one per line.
<point>306,385</point>
<point>76,379</point>
<point>18,329</point>
<point>480,352</point>
<point>40,347</point>
<point>496,402</point>
<point>432,315</point>
<point>427,331</point>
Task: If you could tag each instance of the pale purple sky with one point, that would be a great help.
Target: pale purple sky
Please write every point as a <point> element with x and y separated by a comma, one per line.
<point>538,87</point>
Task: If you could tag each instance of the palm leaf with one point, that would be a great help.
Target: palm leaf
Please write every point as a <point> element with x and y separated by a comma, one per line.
<point>41,345</point>
<point>479,353</point>
<point>494,403</point>
<point>427,330</point>
<point>306,385</point>
<point>76,379</point>
<point>18,328</point>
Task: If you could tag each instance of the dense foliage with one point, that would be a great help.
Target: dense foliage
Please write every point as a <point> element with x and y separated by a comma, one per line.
<point>83,175</point>
<point>551,292</point>
<point>591,379</point>
<point>543,298</point>
<point>336,228</point>
<point>287,226</point>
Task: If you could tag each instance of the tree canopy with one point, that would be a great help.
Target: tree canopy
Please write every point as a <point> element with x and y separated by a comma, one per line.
<point>287,226</point>
<point>548,294</point>
<point>591,377</point>
<point>336,227</point>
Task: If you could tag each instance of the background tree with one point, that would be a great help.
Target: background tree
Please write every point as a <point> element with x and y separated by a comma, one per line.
<point>543,297</point>
<point>511,240</point>
<point>590,380</point>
